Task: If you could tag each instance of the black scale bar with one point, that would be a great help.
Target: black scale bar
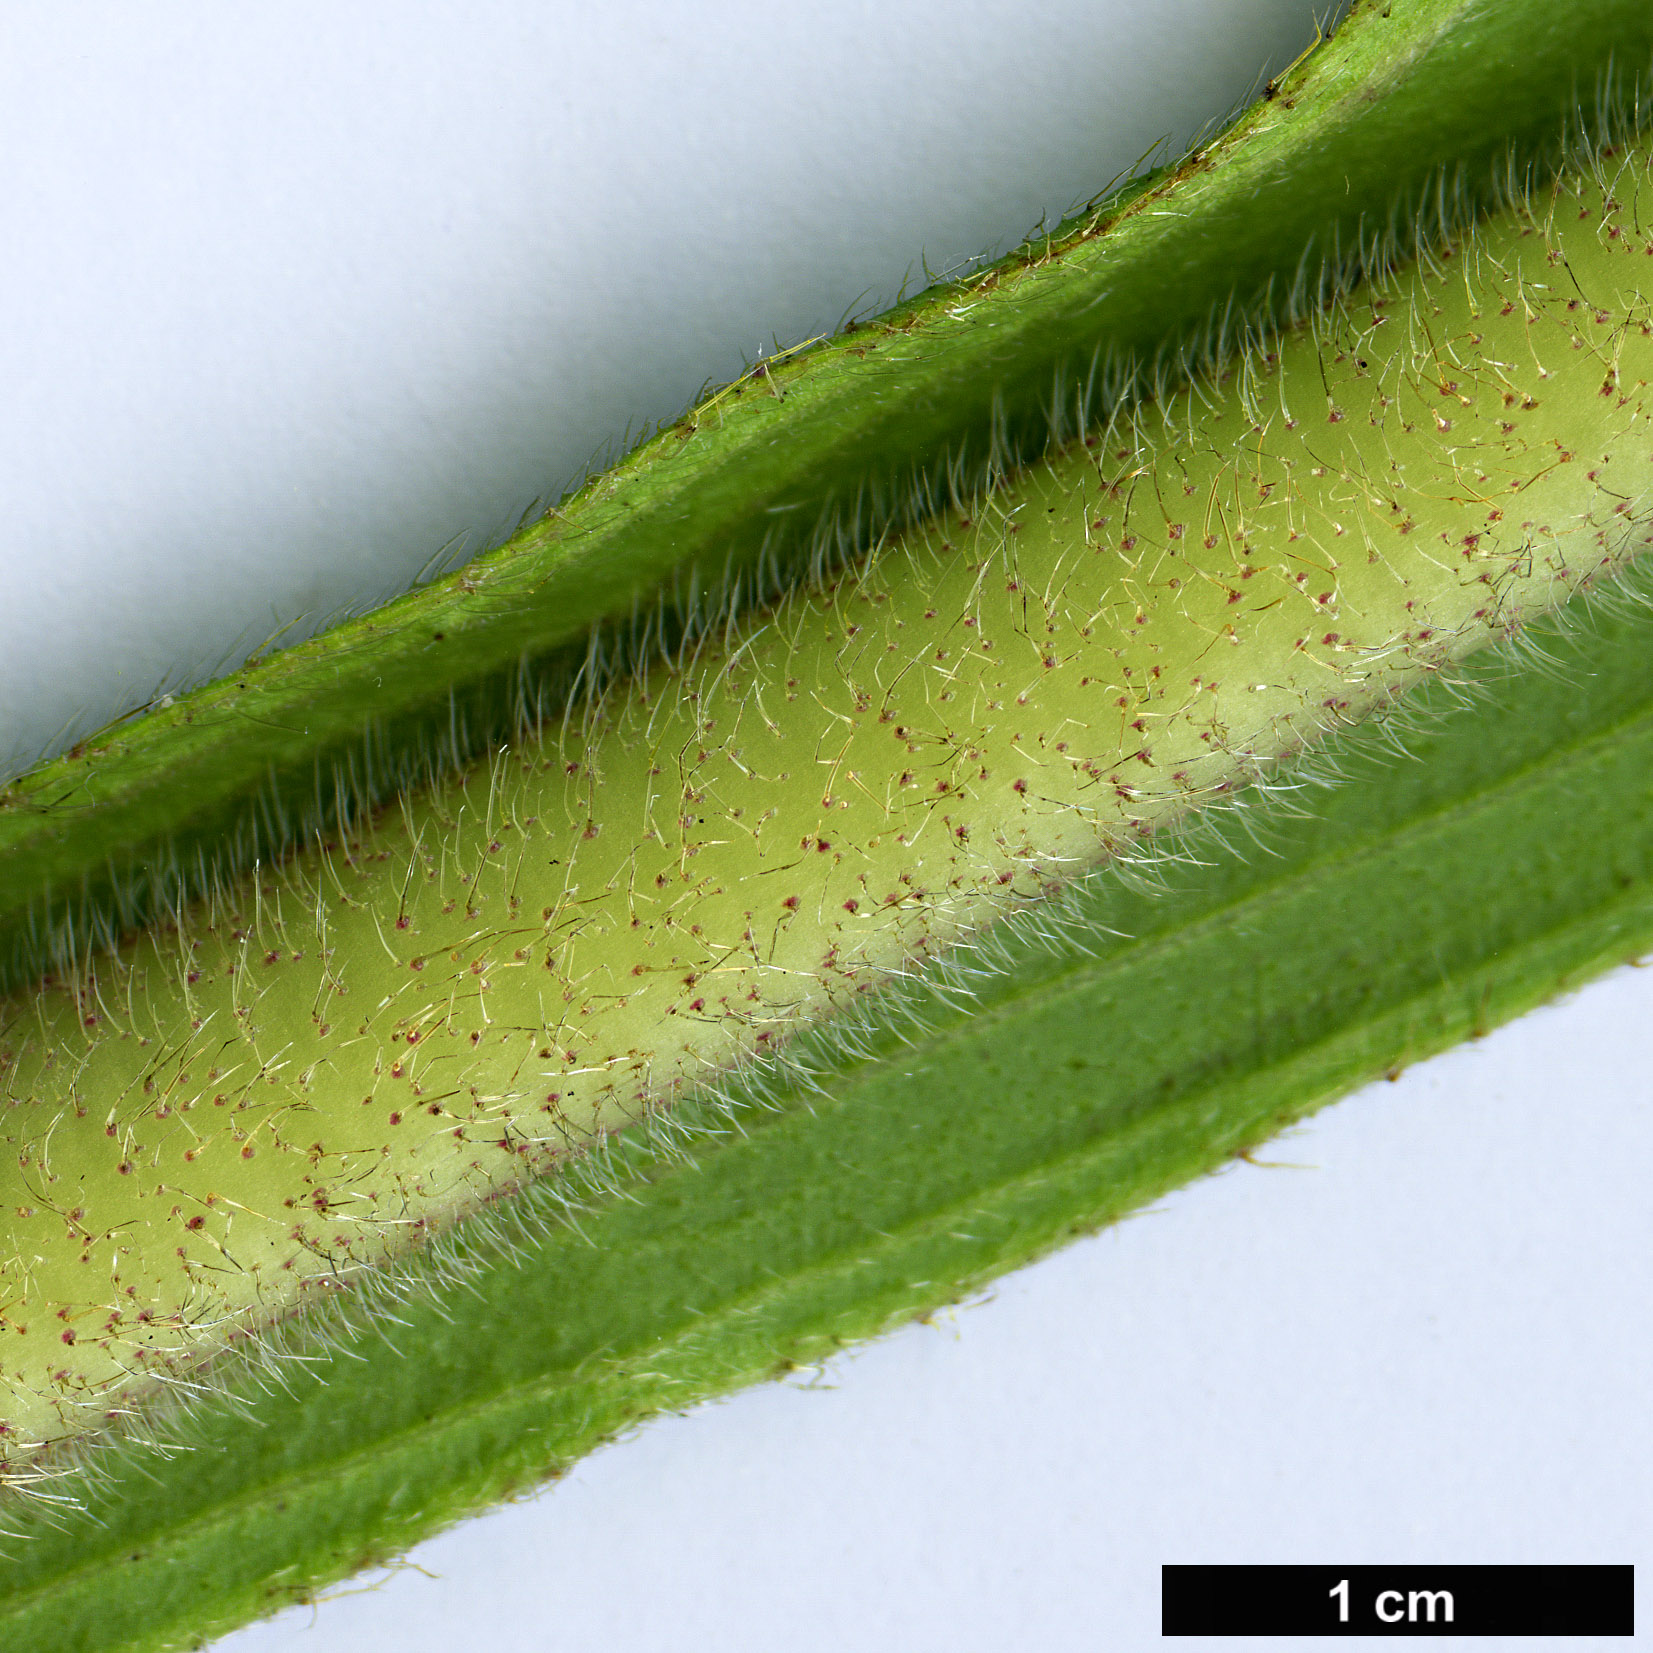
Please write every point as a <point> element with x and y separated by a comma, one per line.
<point>1398,1601</point>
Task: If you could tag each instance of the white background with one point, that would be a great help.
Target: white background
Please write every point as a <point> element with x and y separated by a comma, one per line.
<point>298,295</point>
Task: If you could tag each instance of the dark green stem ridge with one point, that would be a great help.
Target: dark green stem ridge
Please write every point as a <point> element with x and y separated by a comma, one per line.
<point>1485,846</point>
<point>1408,119</point>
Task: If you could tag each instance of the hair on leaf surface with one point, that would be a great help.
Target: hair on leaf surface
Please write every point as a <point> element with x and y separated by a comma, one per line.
<point>1049,914</point>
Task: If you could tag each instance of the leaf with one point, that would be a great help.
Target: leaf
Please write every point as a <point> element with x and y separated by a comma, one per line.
<point>1249,992</point>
